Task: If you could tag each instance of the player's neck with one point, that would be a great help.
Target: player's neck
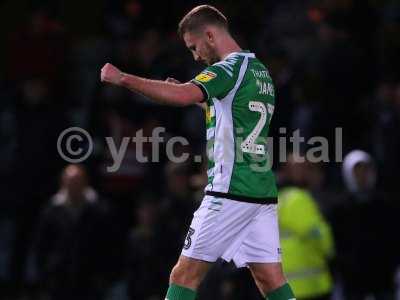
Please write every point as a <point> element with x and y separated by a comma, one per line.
<point>229,46</point>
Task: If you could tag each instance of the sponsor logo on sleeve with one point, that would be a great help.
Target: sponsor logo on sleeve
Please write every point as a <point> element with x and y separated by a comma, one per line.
<point>205,76</point>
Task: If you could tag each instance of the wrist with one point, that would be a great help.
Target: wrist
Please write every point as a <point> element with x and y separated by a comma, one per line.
<point>121,79</point>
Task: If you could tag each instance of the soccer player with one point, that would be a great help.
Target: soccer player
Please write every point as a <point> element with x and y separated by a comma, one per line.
<point>237,219</point>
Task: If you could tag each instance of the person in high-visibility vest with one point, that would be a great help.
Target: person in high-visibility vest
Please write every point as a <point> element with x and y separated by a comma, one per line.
<point>307,244</point>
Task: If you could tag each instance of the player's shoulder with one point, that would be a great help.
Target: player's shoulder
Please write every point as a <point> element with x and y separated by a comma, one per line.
<point>230,65</point>
<point>227,66</point>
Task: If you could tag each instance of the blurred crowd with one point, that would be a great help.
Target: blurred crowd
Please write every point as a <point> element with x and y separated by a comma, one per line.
<point>82,232</point>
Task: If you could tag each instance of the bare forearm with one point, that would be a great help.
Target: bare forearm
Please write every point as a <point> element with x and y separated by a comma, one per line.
<point>169,92</point>
<point>157,90</point>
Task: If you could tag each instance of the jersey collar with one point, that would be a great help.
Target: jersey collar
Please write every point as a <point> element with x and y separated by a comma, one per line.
<point>245,53</point>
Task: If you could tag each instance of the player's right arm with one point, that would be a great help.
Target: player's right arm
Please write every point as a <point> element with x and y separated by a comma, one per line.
<point>211,82</point>
<point>165,92</point>
<point>203,105</point>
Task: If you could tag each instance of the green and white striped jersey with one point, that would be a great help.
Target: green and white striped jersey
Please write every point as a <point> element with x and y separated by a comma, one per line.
<point>240,103</point>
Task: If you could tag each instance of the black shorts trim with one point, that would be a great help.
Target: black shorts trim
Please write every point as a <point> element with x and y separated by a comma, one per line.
<point>267,200</point>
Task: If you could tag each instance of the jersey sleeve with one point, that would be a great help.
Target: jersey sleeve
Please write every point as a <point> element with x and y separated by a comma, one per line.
<point>214,81</point>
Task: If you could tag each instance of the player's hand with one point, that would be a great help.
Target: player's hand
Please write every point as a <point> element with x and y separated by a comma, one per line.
<point>111,74</point>
<point>173,80</point>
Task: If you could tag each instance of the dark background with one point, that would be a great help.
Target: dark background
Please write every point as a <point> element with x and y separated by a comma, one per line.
<point>335,63</point>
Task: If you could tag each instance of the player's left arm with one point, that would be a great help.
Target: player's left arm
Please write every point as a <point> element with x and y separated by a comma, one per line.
<point>165,92</point>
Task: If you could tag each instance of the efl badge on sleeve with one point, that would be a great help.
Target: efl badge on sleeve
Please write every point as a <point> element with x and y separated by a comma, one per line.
<point>205,76</point>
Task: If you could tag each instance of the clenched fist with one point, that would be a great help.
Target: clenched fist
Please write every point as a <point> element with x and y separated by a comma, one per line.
<point>111,74</point>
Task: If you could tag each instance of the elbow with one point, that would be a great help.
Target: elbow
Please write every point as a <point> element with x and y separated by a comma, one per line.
<point>186,102</point>
<point>188,94</point>
<point>184,99</point>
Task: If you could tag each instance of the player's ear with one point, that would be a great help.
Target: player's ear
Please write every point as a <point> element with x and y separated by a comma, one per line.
<point>210,36</point>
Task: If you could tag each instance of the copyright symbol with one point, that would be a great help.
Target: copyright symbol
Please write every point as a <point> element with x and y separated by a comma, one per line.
<point>74,145</point>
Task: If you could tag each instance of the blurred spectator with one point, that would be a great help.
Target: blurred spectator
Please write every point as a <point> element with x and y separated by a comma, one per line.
<point>147,269</point>
<point>326,58</point>
<point>367,253</point>
<point>38,120</point>
<point>306,239</point>
<point>159,233</point>
<point>70,252</point>
<point>310,176</point>
<point>225,282</point>
<point>178,204</point>
<point>386,134</point>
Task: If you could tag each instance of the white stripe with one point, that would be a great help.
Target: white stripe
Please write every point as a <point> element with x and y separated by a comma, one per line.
<point>245,54</point>
<point>226,70</point>
<point>210,133</point>
<point>212,111</point>
<point>224,145</point>
<point>227,64</point>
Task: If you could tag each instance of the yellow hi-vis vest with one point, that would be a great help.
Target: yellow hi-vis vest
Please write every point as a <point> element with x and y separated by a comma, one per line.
<point>306,242</point>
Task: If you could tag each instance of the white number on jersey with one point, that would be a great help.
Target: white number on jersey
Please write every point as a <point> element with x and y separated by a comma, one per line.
<point>249,145</point>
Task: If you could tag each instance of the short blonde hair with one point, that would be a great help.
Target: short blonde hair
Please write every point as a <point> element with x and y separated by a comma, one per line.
<point>199,16</point>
